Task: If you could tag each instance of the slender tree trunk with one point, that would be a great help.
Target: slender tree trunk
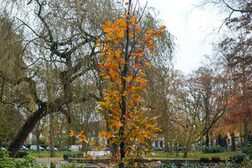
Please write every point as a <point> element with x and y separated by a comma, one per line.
<point>245,132</point>
<point>124,87</point>
<point>37,140</point>
<point>207,139</point>
<point>166,144</point>
<point>232,141</point>
<point>37,135</point>
<point>185,155</point>
<point>26,129</point>
<point>52,152</point>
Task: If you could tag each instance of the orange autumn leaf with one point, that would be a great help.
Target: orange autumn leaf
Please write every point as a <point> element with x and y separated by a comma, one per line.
<point>107,24</point>
<point>154,118</point>
<point>104,134</point>
<point>71,133</point>
<point>150,32</point>
<point>117,124</point>
<point>124,93</point>
<point>107,30</point>
<point>129,78</point>
<point>144,88</point>
<point>151,42</point>
<point>118,52</point>
<point>140,80</point>
<point>162,28</point>
<point>89,157</point>
<point>122,22</point>
<point>99,66</point>
<point>137,30</point>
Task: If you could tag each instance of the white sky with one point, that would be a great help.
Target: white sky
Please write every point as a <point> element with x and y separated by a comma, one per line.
<point>194,28</point>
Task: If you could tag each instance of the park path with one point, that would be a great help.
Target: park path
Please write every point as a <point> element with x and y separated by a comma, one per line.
<point>58,161</point>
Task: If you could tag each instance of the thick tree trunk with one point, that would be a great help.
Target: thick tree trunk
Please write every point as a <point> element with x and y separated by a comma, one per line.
<point>26,129</point>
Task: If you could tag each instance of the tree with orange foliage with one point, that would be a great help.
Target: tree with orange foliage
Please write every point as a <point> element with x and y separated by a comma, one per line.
<point>122,65</point>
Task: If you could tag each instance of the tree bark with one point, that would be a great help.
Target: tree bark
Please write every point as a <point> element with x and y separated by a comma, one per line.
<point>185,155</point>
<point>207,139</point>
<point>26,129</point>
<point>245,132</point>
<point>232,141</point>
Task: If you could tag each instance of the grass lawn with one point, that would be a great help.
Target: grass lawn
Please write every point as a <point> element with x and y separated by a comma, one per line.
<point>191,155</point>
<point>43,154</point>
<point>155,154</point>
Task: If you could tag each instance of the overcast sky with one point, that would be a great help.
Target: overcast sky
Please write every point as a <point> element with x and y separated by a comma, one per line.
<point>195,29</point>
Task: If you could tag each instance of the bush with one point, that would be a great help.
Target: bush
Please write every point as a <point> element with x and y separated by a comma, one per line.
<point>66,156</point>
<point>213,149</point>
<point>238,158</point>
<point>204,160</point>
<point>216,159</point>
<point>21,154</point>
<point>27,162</point>
<point>247,151</point>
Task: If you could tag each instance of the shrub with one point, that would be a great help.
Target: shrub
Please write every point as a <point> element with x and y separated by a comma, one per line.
<point>204,160</point>
<point>66,156</point>
<point>247,151</point>
<point>21,154</point>
<point>27,162</point>
<point>213,149</point>
<point>238,158</point>
<point>216,159</point>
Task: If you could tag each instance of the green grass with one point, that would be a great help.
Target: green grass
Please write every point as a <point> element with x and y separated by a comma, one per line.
<point>191,155</point>
<point>44,154</point>
<point>156,154</point>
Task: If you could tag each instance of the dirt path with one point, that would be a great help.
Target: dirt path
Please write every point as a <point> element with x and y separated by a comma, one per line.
<point>49,159</point>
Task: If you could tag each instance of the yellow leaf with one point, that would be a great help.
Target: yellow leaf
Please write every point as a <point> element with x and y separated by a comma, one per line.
<point>150,31</point>
<point>133,20</point>
<point>102,104</point>
<point>142,73</point>
<point>88,157</point>
<point>104,134</point>
<point>148,64</point>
